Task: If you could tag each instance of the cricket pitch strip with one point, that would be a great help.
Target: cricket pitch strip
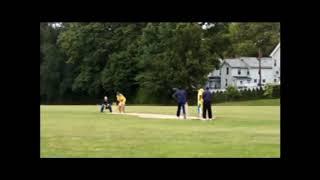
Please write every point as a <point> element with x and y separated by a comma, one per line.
<point>157,116</point>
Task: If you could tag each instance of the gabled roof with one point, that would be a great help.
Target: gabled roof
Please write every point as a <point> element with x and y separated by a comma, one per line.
<point>275,50</point>
<point>254,63</point>
<point>249,62</point>
<point>235,63</point>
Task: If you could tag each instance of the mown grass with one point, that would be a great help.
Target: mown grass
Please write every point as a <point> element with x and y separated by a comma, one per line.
<point>82,131</point>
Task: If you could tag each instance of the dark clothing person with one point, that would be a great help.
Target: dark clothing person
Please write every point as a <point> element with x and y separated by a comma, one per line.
<point>181,96</point>
<point>207,98</point>
<point>106,104</point>
<point>179,109</point>
<point>207,107</point>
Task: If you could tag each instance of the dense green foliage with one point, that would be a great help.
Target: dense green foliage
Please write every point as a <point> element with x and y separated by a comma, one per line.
<point>82,62</point>
<point>232,94</point>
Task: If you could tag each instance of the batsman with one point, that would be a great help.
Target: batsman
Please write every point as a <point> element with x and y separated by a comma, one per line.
<point>121,102</point>
<point>200,102</point>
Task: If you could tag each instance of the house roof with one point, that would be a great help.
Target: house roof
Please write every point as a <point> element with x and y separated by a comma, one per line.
<point>253,62</point>
<point>275,50</point>
<point>235,63</point>
<point>249,62</point>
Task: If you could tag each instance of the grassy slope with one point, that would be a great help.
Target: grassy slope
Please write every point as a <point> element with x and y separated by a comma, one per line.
<point>81,131</point>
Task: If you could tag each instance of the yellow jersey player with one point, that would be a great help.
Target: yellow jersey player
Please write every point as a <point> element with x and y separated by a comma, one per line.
<point>200,102</point>
<point>121,102</point>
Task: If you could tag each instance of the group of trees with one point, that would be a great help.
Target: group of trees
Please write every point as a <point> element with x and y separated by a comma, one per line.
<point>82,62</point>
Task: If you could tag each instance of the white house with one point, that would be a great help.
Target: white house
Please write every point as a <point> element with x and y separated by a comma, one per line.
<point>214,77</point>
<point>243,72</point>
<point>275,55</point>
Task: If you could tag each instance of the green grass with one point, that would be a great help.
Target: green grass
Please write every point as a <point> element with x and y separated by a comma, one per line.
<point>81,131</point>
<point>258,102</point>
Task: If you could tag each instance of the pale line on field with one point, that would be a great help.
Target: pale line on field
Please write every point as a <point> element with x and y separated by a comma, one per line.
<point>155,116</point>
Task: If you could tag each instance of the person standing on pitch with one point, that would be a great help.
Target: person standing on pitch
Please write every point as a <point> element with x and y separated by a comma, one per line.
<point>106,104</point>
<point>200,102</point>
<point>175,90</point>
<point>121,102</point>
<point>181,96</point>
<point>207,98</point>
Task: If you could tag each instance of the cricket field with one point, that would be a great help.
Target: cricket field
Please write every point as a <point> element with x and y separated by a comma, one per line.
<point>239,130</point>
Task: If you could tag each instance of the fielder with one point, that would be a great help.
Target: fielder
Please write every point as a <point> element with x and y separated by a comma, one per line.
<point>185,105</point>
<point>181,97</point>
<point>207,99</point>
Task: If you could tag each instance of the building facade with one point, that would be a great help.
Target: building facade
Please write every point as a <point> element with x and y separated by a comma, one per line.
<point>243,72</point>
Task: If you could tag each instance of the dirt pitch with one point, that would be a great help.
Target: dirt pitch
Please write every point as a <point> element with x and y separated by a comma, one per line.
<point>157,116</point>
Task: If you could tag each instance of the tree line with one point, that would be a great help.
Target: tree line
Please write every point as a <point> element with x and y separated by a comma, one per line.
<point>82,62</point>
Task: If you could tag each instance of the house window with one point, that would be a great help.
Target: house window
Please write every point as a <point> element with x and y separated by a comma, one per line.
<point>220,73</point>
<point>227,70</point>
<point>264,81</point>
<point>277,72</point>
<point>226,82</point>
<point>248,72</point>
<point>255,80</point>
<point>275,80</point>
<point>240,82</point>
<point>275,63</point>
<point>239,71</point>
